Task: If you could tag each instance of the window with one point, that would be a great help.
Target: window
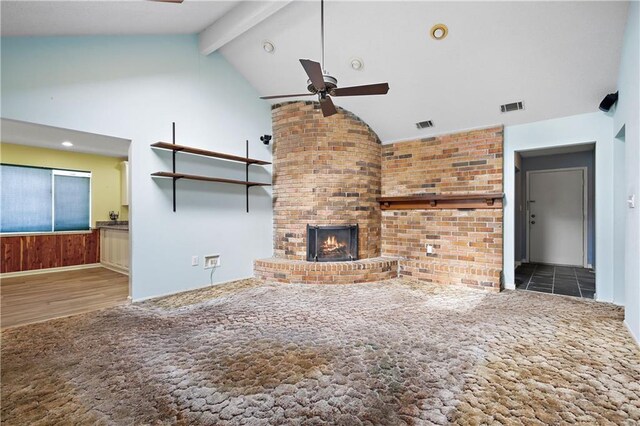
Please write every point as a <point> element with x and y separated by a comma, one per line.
<point>35,199</point>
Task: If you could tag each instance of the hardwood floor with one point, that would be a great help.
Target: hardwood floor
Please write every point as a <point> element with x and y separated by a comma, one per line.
<point>34,298</point>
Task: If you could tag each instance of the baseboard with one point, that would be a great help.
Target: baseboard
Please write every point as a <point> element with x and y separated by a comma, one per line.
<point>115,268</point>
<point>142,299</point>
<point>633,336</point>
<point>49,270</point>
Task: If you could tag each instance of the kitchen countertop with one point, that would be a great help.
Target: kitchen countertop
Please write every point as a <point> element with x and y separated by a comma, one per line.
<point>121,225</point>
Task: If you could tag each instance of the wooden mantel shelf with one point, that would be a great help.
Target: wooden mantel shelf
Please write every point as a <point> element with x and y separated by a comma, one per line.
<point>442,201</point>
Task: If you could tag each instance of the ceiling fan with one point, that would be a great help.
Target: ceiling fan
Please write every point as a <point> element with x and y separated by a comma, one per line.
<point>324,85</point>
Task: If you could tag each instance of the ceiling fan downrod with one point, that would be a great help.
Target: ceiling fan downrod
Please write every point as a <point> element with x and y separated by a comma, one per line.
<point>324,71</point>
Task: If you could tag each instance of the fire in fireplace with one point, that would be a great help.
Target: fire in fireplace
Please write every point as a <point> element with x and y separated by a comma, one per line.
<point>332,243</point>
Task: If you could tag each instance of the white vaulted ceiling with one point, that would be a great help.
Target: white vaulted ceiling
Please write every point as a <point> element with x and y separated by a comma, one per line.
<point>560,58</point>
<point>114,17</point>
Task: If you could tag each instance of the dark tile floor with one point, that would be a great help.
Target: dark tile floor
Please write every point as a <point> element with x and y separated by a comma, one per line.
<point>566,280</point>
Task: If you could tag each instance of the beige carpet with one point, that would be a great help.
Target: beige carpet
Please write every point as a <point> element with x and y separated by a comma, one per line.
<point>388,353</point>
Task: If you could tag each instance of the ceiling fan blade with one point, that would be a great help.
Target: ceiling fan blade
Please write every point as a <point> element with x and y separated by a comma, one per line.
<point>369,89</point>
<point>328,108</point>
<point>286,96</point>
<point>168,1</point>
<point>314,71</point>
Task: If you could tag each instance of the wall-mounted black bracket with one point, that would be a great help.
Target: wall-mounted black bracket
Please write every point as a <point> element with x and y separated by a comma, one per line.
<point>173,131</point>
<point>246,177</point>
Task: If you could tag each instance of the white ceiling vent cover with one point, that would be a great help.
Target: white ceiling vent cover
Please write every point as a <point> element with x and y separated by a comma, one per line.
<point>424,124</point>
<point>513,106</point>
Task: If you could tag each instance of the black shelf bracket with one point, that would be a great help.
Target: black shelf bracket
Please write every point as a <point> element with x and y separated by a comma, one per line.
<point>174,165</point>
<point>247,174</point>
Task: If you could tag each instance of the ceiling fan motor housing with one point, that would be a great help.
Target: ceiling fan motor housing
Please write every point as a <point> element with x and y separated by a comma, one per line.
<point>330,83</point>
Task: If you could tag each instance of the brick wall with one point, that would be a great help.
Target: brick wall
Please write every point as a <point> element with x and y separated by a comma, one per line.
<point>467,243</point>
<point>325,171</point>
<point>458,163</point>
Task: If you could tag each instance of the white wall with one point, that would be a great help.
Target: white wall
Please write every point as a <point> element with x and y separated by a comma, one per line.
<point>134,87</point>
<point>585,128</point>
<point>626,114</point>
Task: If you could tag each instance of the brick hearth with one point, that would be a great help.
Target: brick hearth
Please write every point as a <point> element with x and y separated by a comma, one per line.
<point>300,271</point>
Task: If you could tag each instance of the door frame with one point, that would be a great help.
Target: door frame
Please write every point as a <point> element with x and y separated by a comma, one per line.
<point>585,209</point>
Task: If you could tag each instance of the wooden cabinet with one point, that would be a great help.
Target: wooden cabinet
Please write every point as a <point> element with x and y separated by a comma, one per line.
<point>124,183</point>
<point>114,249</point>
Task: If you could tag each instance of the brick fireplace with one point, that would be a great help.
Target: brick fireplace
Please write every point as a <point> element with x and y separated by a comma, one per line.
<point>332,171</point>
<point>327,171</point>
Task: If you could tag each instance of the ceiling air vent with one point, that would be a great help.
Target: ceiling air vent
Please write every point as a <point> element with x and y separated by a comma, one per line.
<point>424,124</point>
<point>513,106</point>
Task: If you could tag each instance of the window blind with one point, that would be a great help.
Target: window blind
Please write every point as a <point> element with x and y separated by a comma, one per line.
<point>71,203</point>
<point>43,200</point>
<point>26,199</point>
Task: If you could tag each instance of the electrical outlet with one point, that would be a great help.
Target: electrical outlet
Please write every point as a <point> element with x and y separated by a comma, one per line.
<point>211,261</point>
<point>429,249</point>
<point>194,260</point>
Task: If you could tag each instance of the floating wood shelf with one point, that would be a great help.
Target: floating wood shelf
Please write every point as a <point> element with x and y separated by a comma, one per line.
<point>206,179</point>
<point>174,176</point>
<point>205,153</point>
<point>442,201</point>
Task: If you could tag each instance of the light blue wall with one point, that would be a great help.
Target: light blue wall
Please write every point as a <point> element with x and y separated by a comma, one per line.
<point>559,161</point>
<point>627,114</point>
<point>134,87</point>
<point>580,129</point>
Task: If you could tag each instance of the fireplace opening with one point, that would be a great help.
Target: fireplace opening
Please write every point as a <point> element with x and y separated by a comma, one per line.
<point>332,243</point>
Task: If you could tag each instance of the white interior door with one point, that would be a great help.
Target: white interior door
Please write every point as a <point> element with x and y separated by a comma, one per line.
<point>557,217</point>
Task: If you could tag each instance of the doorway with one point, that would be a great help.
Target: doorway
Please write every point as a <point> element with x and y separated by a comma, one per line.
<point>554,221</point>
<point>56,267</point>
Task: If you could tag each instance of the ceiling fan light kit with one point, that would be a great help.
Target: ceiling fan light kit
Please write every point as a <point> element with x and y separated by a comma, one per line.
<point>323,85</point>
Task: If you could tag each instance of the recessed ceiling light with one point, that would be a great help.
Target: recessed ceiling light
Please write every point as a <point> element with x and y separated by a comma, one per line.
<point>439,31</point>
<point>268,46</point>
<point>67,144</point>
<point>357,64</point>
